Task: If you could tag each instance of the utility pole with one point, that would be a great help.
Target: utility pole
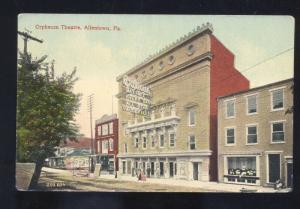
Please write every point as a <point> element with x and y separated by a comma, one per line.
<point>90,102</point>
<point>27,37</point>
<point>90,110</point>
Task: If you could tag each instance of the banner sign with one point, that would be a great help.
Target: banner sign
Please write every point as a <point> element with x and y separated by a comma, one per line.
<point>137,97</point>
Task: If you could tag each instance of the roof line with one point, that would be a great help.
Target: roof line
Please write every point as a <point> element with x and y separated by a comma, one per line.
<point>256,88</point>
<point>198,30</point>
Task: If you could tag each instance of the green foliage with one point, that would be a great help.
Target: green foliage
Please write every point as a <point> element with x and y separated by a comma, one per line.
<point>46,109</point>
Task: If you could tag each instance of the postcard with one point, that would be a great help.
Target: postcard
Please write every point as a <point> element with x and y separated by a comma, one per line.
<point>155,103</point>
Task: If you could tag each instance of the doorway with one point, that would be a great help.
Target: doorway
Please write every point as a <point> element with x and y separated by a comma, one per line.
<point>195,171</point>
<point>274,167</point>
<point>152,168</point>
<point>161,168</point>
<point>289,170</point>
<point>171,169</point>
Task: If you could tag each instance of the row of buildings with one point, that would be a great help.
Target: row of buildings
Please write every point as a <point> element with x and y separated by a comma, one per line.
<point>187,113</point>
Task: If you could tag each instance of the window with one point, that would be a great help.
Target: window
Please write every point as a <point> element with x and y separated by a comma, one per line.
<point>192,142</point>
<point>230,109</point>
<point>277,99</point>
<point>104,146</point>
<point>252,104</point>
<point>161,140</point>
<point>230,136</point>
<point>105,129</point>
<point>144,142</point>
<point>252,134</point>
<point>192,118</point>
<point>111,144</point>
<point>99,130</point>
<point>242,166</point>
<point>98,146</point>
<point>111,128</point>
<point>125,148</point>
<point>136,142</point>
<point>152,141</point>
<point>172,139</point>
<point>277,132</point>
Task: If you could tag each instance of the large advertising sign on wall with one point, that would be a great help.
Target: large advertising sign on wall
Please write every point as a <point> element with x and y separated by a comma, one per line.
<point>137,97</point>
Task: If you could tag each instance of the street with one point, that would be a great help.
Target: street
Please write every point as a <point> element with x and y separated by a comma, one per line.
<point>63,180</point>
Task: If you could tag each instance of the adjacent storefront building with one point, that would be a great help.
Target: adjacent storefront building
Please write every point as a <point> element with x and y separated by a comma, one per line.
<point>106,143</point>
<point>255,135</point>
<point>168,108</point>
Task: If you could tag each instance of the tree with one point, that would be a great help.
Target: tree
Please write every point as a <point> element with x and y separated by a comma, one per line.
<point>46,109</point>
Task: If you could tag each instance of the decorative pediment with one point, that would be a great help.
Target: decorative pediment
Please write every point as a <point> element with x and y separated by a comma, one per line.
<point>190,105</point>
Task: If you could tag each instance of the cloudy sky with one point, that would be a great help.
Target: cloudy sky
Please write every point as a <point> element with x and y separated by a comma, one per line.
<point>101,55</point>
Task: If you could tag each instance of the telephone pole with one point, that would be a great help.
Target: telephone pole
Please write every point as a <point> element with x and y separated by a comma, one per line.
<point>90,110</point>
<point>27,37</point>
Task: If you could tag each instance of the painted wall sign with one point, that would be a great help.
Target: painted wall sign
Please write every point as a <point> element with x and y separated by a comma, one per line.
<point>137,97</point>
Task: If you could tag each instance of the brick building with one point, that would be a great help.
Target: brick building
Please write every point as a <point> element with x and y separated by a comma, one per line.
<point>255,135</point>
<point>106,143</point>
<point>178,139</point>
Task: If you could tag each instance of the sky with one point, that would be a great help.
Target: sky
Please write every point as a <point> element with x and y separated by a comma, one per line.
<point>101,55</point>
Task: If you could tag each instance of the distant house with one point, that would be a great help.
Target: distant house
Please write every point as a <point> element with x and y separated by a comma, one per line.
<point>74,154</point>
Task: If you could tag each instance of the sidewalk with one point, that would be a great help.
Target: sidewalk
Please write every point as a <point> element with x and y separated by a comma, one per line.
<point>214,186</point>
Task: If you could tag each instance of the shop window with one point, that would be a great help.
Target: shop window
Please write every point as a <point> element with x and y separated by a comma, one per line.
<point>230,136</point>
<point>241,166</point>
<point>192,117</point>
<point>172,138</point>
<point>230,109</point>
<point>161,141</point>
<point>277,99</point>
<point>252,104</point>
<point>252,134</point>
<point>192,142</point>
<point>277,132</point>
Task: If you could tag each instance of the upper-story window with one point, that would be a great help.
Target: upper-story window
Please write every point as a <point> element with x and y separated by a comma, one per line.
<point>251,104</point>
<point>172,138</point>
<point>144,142</point>
<point>125,148</point>
<point>152,141</point>
<point>111,128</point>
<point>171,59</point>
<point>104,146</point>
<point>277,99</point>
<point>230,109</point>
<point>161,141</point>
<point>192,117</point>
<point>277,129</point>
<point>104,129</point>
<point>230,136</point>
<point>136,142</point>
<point>99,130</point>
<point>190,49</point>
<point>192,142</point>
<point>98,146</point>
<point>111,144</point>
<point>251,134</point>
<point>161,65</point>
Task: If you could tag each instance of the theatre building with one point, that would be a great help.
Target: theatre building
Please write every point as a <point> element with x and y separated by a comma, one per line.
<point>255,135</point>
<point>177,135</point>
<point>106,143</point>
